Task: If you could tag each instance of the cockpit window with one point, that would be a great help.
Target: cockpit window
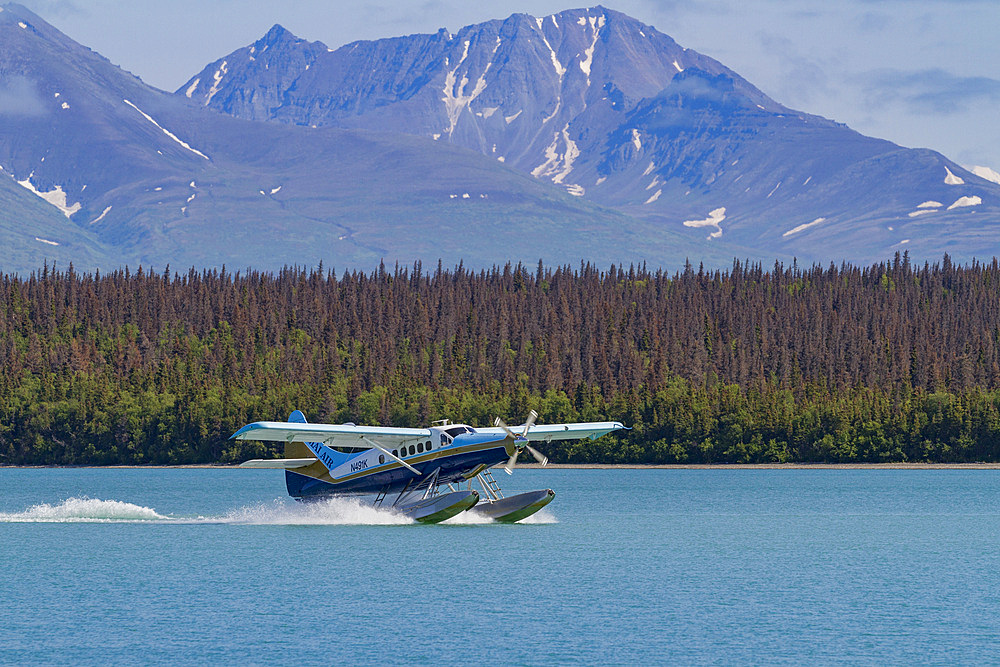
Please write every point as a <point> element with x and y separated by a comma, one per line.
<point>458,430</point>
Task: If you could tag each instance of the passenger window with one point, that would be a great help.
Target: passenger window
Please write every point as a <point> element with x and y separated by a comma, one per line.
<point>420,448</point>
<point>395,453</point>
<point>413,450</point>
<point>428,445</point>
<point>381,459</point>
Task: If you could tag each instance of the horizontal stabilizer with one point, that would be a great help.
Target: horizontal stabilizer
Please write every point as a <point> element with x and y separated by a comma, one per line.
<point>277,463</point>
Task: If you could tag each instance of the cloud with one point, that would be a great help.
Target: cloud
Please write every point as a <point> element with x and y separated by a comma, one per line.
<point>19,97</point>
<point>52,8</point>
<point>876,23</point>
<point>928,91</point>
<point>802,76</point>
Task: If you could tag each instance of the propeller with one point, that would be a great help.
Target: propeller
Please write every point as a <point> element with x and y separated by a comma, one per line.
<point>521,438</point>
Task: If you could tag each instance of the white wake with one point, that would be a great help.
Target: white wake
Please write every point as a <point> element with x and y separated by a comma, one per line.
<point>329,512</point>
<point>83,510</point>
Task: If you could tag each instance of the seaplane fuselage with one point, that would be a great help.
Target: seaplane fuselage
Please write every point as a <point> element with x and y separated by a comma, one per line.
<point>457,452</point>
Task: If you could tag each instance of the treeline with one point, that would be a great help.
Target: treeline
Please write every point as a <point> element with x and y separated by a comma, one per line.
<point>891,362</point>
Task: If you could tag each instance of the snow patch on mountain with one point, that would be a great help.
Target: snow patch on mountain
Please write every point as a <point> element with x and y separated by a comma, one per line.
<point>636,140</point>
<point>923,208</point>
<point>166,131</point>
<point>101,216</point>
<point>596,23</point>
<point>560,70</point>
<point>194,85</point>
<point>455,100</point>
<point>511,119</point>
<point>56,196</point>
<point>219,73</point>
<point>41,240</point>
<point>714,219</point>
<point>987,173</point>
<point>962,202</point>
<point>952,179</point>
<point>796,230</point>
<point>558,165</point>
<point>656,195</point>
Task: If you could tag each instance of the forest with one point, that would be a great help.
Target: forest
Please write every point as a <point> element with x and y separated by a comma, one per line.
<point>890,362</point>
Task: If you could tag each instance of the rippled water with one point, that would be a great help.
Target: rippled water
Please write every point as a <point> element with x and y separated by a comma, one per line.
<point>625,566</point>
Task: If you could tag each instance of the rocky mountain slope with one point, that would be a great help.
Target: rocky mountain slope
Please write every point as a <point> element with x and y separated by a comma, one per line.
<point>116,172</point>
<point>616,112</point>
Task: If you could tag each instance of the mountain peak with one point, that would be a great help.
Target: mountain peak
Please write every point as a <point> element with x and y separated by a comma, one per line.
<point>277,33</point>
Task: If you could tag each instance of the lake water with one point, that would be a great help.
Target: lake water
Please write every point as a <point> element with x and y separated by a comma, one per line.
<point>625,566</point>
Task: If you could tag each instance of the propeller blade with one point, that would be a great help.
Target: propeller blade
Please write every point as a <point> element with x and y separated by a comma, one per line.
<point>532,416</point>
<point>541,458</point>
<point>511,462</point>
<point>499,422</point>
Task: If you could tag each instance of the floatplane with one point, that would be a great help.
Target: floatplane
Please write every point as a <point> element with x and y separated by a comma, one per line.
<point>425,467</point>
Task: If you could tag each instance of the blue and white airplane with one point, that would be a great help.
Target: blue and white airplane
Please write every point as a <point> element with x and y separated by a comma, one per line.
<point>425,466</point>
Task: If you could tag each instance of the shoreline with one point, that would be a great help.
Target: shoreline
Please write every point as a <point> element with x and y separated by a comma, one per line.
<point>601,466</point>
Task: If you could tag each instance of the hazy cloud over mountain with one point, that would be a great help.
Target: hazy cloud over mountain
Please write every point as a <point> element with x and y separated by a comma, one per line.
<point>19,97</point>
<point>931,91</point>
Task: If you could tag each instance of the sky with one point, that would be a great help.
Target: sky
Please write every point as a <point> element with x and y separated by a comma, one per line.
<point>921,73</point>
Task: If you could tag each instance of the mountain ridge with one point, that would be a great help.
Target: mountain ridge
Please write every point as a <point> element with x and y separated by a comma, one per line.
<point>560,146</point>
<point>664,138</point>
<point>156,179</point>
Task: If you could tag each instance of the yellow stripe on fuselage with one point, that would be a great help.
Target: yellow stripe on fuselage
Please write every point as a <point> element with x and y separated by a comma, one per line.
<point>390,465</point>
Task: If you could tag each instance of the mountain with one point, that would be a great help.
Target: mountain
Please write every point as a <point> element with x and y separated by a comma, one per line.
<point>585,135</point>
<point>615,112</point>
<point>115,172</point>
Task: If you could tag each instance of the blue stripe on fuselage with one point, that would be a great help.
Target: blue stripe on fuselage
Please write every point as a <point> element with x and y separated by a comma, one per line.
<point>452,461</point>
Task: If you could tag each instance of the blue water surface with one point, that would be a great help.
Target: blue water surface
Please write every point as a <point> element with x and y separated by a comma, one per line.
<point>754,566</point>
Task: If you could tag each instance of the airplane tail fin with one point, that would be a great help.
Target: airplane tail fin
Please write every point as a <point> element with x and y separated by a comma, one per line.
<point>297,450</point>
<point>299,481</point>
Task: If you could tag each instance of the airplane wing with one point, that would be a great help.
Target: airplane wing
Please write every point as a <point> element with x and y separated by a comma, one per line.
<point>547,432</point>
<point>280,464</point>
<point>332,435</point>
